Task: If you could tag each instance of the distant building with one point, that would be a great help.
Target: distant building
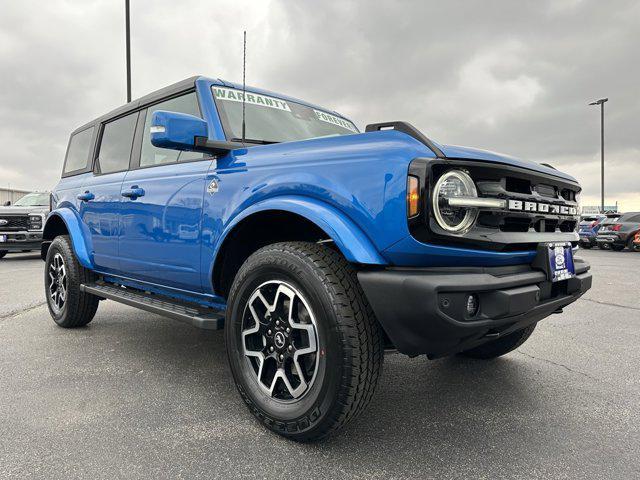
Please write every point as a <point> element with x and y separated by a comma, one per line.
<point>7,195</point>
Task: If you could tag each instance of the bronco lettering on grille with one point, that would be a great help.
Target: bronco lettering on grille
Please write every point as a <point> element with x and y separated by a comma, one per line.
<point>536,207</point>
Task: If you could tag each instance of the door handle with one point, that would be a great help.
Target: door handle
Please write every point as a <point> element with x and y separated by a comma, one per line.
<point>86,196</point>
<point>133,192</point>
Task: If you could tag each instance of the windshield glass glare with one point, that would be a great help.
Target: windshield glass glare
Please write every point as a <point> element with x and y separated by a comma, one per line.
<point>271,120</point>
<point>33,200</point>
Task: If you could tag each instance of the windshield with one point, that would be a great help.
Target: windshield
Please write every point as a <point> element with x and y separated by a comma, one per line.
<point>33,200</point>
<point>272,120</point>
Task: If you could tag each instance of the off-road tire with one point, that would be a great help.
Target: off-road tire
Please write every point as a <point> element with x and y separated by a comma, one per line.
<point>3,253</point>
<point>350,341</point>
<point>79,308</point>
<point>501,346</point>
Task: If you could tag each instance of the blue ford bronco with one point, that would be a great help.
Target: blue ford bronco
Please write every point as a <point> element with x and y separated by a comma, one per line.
<point>315,245</point>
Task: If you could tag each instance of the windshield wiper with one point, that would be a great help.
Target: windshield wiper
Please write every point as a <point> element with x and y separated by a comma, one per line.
<point>253,140</point>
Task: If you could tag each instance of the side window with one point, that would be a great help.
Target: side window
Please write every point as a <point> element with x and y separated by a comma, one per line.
<point>151,155</point>
<point>115,146</point>
<point>78,152</point>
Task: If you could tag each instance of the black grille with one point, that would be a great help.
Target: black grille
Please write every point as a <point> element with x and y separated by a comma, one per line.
<point>15,223</point>
<point>538,195</point>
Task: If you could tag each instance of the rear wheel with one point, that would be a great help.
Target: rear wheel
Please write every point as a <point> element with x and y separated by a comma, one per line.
<point>68,306</point>
<point>3,253</point>
<point>304,346</point>
<point>501,346</point>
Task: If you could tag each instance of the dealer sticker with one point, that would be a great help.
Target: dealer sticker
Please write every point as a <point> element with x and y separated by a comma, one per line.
<point>341,122</point>
<point>233,95</point>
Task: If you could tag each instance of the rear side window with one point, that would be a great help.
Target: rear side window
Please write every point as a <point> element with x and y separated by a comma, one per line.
<point>116,143</point>
<point>78,151</point>
<point>151,155</point>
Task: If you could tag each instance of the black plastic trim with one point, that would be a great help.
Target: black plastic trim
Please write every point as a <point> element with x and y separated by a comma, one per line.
<point>216,147</point>
<point>422,310</point>
<point>424,228</point>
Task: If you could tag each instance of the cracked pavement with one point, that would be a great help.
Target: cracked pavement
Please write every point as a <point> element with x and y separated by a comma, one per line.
<point>135,395</point>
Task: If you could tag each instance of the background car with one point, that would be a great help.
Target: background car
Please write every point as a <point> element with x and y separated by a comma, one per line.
<point>636,242</point>
<point>21,223</point>
<point>588,229</point>
<point>619,233</point>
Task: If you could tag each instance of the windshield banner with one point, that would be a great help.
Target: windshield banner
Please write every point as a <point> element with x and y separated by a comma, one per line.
<point>341,122</point>
<point>234,95</point>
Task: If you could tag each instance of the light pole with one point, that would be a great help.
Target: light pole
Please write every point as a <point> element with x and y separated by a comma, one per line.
<point>128,43</point>
<point>601,103</point>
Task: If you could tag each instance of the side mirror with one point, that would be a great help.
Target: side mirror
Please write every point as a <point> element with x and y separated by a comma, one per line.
<point>181,131</point>
<point>7,203</point>
<point>177,131</point>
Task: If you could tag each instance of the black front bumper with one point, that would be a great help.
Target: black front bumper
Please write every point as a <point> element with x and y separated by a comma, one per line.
<point>423,311</point>
<point>19,241</point>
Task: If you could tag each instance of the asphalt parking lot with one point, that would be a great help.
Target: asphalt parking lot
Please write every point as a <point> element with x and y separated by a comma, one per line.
<point>134,395</point>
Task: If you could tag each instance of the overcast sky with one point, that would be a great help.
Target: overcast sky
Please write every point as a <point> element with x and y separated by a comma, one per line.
<point>510,76</point>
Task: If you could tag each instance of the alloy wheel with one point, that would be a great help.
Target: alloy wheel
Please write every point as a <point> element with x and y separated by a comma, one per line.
<point>280,341</point>
<point>57,283</point>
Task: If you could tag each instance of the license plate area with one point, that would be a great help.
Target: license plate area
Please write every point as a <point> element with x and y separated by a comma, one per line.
<point>560,261</point>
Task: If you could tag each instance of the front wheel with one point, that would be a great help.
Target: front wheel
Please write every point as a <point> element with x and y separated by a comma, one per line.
<point>303,344</point>
<point>3,253</point>
<point>501,346</point>
<point>63,275</point>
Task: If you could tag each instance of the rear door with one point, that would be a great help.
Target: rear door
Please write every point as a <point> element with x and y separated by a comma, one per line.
<point>100,204</point>
<point>161,227</point>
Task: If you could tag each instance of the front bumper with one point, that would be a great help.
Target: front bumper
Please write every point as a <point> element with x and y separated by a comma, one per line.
<point>18,241</point>
<point>423,310</point>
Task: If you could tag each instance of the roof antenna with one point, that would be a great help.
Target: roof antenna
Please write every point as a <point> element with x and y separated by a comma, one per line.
<point>244,86</point>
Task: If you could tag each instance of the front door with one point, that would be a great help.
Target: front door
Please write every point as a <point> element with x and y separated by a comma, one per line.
<point>100,200</point>
<point>162,212</point>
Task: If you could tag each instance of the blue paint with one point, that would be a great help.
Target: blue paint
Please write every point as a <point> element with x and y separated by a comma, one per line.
<point>78,233</point>
<point>176,130</point>
<point>453,151</point>
<point>168,234</point>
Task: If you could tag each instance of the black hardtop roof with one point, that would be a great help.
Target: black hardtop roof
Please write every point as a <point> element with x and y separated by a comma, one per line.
<point>177,87</point>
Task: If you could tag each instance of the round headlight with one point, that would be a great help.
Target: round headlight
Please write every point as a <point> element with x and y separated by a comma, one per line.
<point>456,220</point>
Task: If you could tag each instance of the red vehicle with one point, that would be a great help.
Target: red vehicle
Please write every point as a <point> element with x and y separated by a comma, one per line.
<point>636,242</point>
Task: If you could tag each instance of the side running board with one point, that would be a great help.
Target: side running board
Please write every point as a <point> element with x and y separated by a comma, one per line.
<point>196,315</point>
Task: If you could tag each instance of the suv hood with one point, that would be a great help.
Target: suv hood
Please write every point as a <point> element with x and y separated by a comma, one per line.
<point>23,210</point>
<point>455,151</point>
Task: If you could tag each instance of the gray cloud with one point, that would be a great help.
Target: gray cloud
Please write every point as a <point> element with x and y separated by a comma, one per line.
<point>508,76</point>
